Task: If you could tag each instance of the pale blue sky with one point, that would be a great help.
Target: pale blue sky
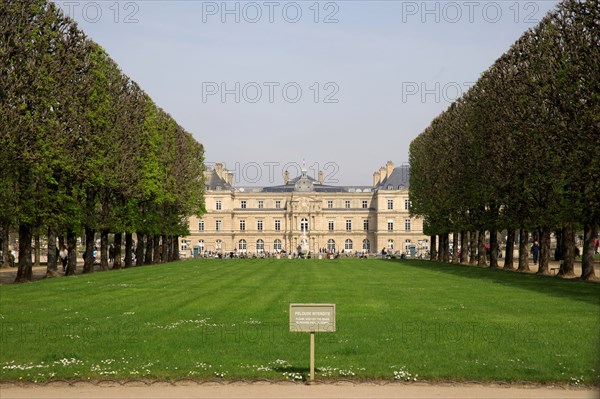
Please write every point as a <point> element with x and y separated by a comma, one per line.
<point>378,57</point>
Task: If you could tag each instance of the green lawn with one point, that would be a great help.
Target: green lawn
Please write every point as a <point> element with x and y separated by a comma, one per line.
<point>229,319</point>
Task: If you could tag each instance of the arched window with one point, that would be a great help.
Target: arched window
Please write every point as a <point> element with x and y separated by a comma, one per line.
<point>348,245</point>
<point>304,225</point>
<point>260,245</point>
<point>242,245</point>
<point>331,245</point>
<point>201,246</point>
<point>391,244</point>
<point>277,245</point>
<point>366,245</point>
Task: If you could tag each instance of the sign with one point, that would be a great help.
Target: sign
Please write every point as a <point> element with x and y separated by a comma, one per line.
<point>312,317</point>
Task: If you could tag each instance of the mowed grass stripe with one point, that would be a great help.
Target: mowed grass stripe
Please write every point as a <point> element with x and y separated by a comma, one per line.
<point>228,318</point>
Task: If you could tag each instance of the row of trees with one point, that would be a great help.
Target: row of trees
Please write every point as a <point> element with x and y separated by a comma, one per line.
<point>520,150</point>
<point>83,148</point>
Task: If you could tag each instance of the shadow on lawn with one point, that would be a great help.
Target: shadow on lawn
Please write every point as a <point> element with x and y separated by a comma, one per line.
<point>549,285</point>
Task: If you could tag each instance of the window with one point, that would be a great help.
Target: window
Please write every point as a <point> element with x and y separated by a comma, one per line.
<point>407,224</point>
<point>390,204</point>
<point>242,245</point>
<point>277,245</point>
<point>366,224</point>
<point>366,245</point>
<point>218,225</point>
<point>218,244</point>
<point>242,225</point>
<point>259,225</point>
<point>278,204</point>
<point>330,245</point>
<point>390,225</point>
<point>201,245</point>
<point>407,204</point>
<point>218,205</point>
<point>347,204</point>
<point>406,244</point>
<point>261,204</point>
<point>277,225</point>
<point>348,245</point>
<point>348,225</point>
<point>329,204</point>
<point>184,245</point>
<point>330,223</point>
<point>304,225</point>
<point>243,204</point>
<point>365,204</point>
<point>391,244</point>
<point>201,225</point>
<point>260,245</point>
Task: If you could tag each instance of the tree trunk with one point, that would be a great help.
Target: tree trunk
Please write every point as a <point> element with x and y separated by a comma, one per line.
<point>509,257</point>
<point>464,246</point>
<point>587,256</point>
<point>5,236</point>
<point>473,239</point>
<point>494,248</point>
<point>446,254</point>
<point>104,250</point>
<point>567,268</point>
<point>167,240</point>
<point>544,252</point>
<point>88,255</point>
<point>175,248</point>
<point>455,247</point>
<point>118,243</point>
<point>560,245</point>
<point>24,273</point>
<point>139,249</point>
<point>128,250</point>
<point>433,252</point>
<point>37,251</point>
<point>481,255</point>
<point>149,250</point>
<point>156,257</point>
<point>51,262</point>
<point>440,250</point>
<point>523,251</point>
<point>164,256</point>
<point>72,253</point>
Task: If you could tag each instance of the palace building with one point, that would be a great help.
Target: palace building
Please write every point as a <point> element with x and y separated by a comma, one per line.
<point>304,214</point>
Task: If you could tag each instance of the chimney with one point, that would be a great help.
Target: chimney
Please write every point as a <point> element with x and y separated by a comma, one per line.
<point>375,178</point>
<point>382,174</point>
<point>219,168</point>
<point>286,177</point>
<point>390,167</point>
<point>230,178</point>
<point>321,177</point>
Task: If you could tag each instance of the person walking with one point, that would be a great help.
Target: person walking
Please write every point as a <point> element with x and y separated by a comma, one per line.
<point>535,250</point>
<point>63,255</point>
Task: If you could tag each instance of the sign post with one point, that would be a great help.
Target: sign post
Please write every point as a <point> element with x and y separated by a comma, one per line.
<point>312,318</point>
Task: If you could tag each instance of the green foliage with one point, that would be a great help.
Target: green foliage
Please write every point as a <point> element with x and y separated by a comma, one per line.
<point>82,144</point>
<point>519,149</point>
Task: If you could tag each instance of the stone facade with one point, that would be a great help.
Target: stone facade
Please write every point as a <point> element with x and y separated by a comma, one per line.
<point>346,219</point>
